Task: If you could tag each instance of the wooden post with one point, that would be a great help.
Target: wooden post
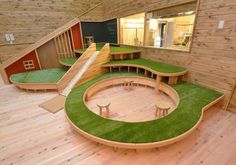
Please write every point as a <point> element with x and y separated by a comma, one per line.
<point>4,75</point>
<point>151,75</point>
<point>122,56</point>
<point>173,80</point>
<point>231,95</point>
<point>132,56</point>
<point>158,81</point>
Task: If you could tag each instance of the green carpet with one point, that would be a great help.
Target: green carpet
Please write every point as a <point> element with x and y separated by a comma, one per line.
<point>39,76</point>
<point>68,60</point>
<point>154,65</point>
<point>192,99</point>
<point>113,49</point>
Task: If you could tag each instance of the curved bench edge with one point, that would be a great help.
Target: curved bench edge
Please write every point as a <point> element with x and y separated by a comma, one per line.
<point>147,68</point>
<point>143,145</point>
<point>34,86</point>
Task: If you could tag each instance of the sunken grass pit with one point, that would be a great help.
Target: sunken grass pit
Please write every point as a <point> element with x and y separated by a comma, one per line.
<point>192,99</point>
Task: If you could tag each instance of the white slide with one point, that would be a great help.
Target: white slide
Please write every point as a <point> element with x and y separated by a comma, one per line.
<point>80,73</point>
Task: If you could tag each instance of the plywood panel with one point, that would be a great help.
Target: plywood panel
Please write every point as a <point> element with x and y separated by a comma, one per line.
<point>212,59</point>
<point>31,20</point>
<point>48,55</point>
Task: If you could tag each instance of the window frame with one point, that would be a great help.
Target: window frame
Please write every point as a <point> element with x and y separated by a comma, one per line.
<point>145,29</point>
<point>28,64</point>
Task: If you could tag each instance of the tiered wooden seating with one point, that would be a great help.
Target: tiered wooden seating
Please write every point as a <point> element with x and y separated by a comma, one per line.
<point>149,68</point>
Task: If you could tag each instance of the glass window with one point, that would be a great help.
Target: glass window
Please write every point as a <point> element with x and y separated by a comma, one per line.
<point>132,30</point>
<point>170,28</point>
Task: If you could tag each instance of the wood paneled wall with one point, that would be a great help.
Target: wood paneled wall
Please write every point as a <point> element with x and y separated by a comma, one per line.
<point>121,8</point>
<point>31,20</point>
<point>212,60</point>
<point>48,56</point>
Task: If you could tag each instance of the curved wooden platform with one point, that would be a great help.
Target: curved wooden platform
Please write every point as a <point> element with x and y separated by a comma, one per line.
<point>68,61</point>
<point>116,53</point>
<point>36,86</point>
<point>59,78</point>
<point>150,67</point>
<point>193,100</point>
<point>38,80</point>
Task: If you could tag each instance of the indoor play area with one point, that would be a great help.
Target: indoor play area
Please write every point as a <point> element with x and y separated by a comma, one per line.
<point>144,82</point>
<point>100,116</point>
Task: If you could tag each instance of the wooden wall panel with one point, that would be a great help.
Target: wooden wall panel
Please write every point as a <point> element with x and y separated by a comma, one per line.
<point>31,20</point>
<point>212,59</point>
<point>48,55</point>
<point>121,8</point>
<point>77,38</point>
<point>65,44</point>
<point>18,66</point>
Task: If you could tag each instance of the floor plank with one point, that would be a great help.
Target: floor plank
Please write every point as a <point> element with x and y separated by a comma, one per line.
<point>31,135</point>
<point>133,105</point>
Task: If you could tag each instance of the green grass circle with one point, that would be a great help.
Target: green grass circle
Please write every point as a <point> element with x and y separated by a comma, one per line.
<point>192,99</point>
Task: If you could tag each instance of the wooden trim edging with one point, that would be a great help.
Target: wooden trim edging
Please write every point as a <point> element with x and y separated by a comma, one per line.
<point>142,145</point>
<point>65,64</point>
<point>147,68</point>
<point>35,86</point>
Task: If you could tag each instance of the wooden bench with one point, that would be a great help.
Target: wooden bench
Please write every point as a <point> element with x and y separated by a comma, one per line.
<point>172,77</point>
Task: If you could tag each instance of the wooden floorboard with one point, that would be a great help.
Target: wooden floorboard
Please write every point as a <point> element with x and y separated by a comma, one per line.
<point>133,105</point>
<point>31,135</point>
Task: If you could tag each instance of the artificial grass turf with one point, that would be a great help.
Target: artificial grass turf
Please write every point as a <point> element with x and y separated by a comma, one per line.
<point>192,99</point>
<point>40,76</point>
<point>68,60</point>
<point>154,65</point>
<point>113,49</point>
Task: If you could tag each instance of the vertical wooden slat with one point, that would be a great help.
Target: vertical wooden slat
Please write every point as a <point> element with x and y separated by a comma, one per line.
<point>69,44</point>
<point>60,46</point>
<point>37,56</point>
<point>81,35</point>
<point>56,45</point>
<point>72,40</point>
<point>66,44</point>
<point>63,44</point>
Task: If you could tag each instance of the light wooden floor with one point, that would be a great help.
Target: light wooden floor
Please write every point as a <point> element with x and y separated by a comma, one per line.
<point>1,81</point>
<point>133,105</point>
<point>31,135</point>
